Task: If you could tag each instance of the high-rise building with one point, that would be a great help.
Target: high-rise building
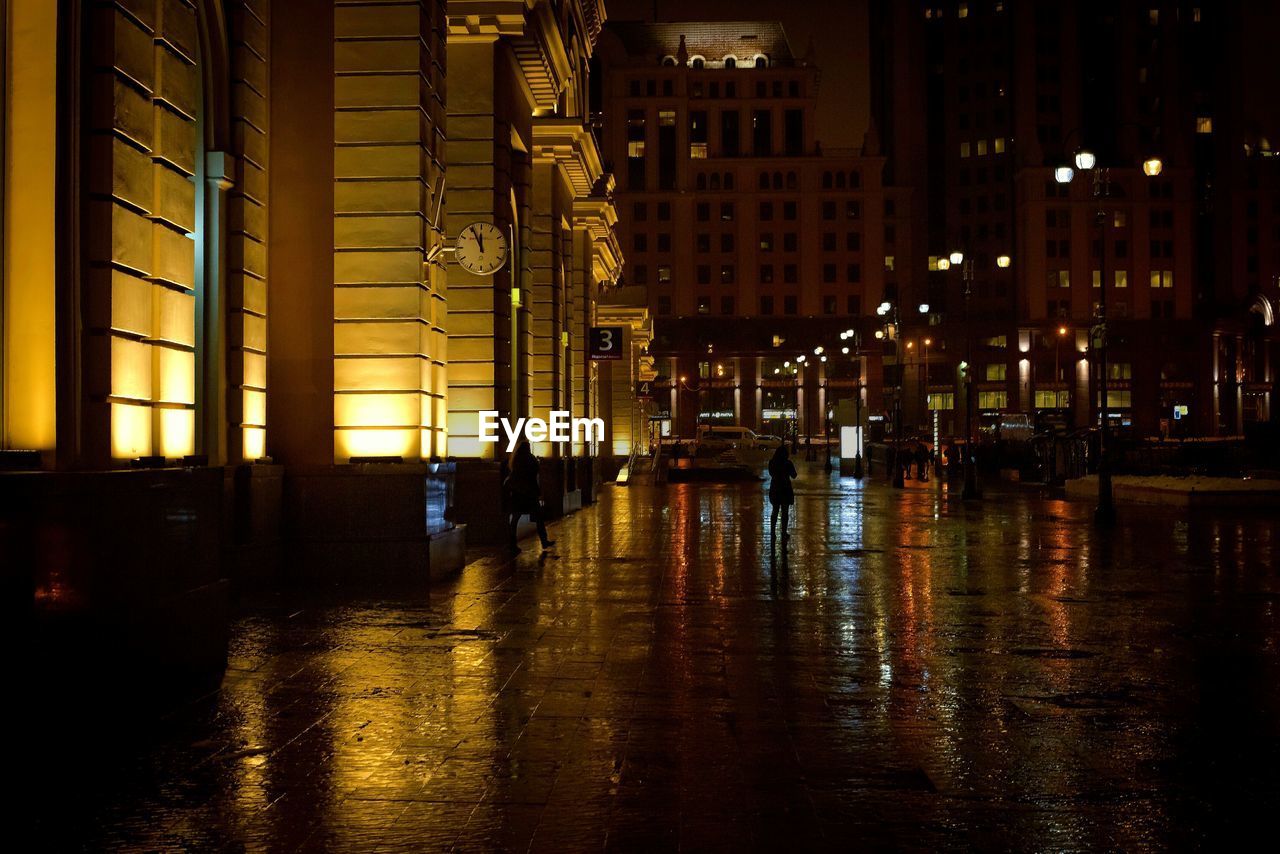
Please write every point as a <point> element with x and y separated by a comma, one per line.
<point>749,243</point>
<point>983,107</point>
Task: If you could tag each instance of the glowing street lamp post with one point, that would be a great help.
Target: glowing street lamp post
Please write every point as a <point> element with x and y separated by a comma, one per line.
<point>1105,513</point>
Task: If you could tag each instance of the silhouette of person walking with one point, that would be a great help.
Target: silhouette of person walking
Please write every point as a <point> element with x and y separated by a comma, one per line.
<point>524,494</point>
<point>781,494</point>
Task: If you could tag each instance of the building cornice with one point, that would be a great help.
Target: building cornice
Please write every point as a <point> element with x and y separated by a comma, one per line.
<point>571,144</point>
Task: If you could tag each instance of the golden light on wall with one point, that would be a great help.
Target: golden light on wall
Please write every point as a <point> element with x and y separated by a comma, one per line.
<point>29,181</point>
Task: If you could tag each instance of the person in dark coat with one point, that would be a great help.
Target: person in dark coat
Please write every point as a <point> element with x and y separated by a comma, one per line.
<point>781,494</point>
<point>524,494</point>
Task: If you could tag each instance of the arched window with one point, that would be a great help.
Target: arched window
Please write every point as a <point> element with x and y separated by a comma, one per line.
<point>715,180</point>
<point>731,61</point>
<point>728,180</point>
<point>698,62</point>
<point>826,180</point>
<point>669,61</point>
<point>791,180</point>
<point>839,180</point>
<point>777,180</point>
<point>762,61</point>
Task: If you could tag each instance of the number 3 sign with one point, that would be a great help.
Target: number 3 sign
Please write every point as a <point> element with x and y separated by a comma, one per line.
<point>606,343</point>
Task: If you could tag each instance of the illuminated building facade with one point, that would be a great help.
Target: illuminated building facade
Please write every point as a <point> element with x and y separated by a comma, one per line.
<point>224,280</point>
<point>749,243</point>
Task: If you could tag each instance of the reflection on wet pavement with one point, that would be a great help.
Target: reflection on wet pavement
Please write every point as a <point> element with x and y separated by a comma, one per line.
<point>914,672</point>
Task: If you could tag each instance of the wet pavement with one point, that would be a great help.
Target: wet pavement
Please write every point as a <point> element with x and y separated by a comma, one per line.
<point>912,673</point>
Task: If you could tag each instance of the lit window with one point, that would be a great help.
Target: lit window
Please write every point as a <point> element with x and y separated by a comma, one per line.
<point>1060,399</point>
<point>997,373</point>
<point>1153,16</point>
<point>1121,279</point>
<point>1059,278</point>
<point>664,274</point>
<point>667,118</point>
<point>982,147</point>
<point>1119,399</point>
<point>964,149</point>
<point>698,150</point>
<point>888,262</point>
<point>942,400</point>
<point>635,148</point>
<point>1161,278</point>
<point>1204,124</point>
<point>993,399</point>
<point>998,144</point>
<point>963,11</point>
<point>1120,220</point>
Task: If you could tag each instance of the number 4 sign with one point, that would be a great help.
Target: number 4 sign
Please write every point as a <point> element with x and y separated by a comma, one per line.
<point>606,343</point>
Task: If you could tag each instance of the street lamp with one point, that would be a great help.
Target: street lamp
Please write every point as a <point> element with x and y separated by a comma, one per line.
<point>970,489</point>
<point>1003,261</point>
<point>887,333</point>
<point>1105,513</point>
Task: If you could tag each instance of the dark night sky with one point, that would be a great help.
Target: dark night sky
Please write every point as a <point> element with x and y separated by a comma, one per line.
<point>839,32</point>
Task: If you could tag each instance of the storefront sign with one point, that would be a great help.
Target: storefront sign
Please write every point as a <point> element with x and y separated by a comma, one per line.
<point>605,343</point>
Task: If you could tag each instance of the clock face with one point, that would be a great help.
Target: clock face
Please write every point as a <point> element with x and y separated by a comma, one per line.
<point>481,248</point>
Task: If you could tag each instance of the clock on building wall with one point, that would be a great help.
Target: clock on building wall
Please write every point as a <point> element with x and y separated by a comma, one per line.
<point>481,248</point>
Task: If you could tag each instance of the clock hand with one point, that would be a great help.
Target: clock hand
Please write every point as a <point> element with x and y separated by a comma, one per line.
<point>479,240</point>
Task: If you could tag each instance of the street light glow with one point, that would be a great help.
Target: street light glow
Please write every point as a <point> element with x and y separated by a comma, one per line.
<point>1085,159</point>
<point>1003,261</point>
<point>957,257</point>
<point>844,350</point>
<point>1064,174</point>
<point>1062,330</point>
<point>879,333</point>
<point>924,308</point>
<point>1152,166</point>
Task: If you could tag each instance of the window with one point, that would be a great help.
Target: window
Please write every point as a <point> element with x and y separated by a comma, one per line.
<point>664,304</point>
<point>704,242</point>
<point>1119,370</point>
<point>729,142</point>
<point>640,273</point>
<point>829,241</point>
<point>789,305</point>
<point>853,273</point>
<point>726,274</point>
<point>704,274</point>
<point>852,210</point>
<point>703,212</point>
<point>964,149</point>
<point>766,305</point>
<point>639,211</point>
<point>1161,278</point>
<point>942,400</point>
<point>698,150</point>
<point>1059,399</point>
<point>664,211</point>
<point>982,147</point>
<point>766,211</point>
<point>790,274</point>
<point>789,210</point>
<point>997,373</point>
<point>853,241</point>
<point>1204,124</point>
<point>766,274</point>
<point>726,242</point>
<point>639,243</point>
<point>828,210</point>
<point>726,305</point>
<point>789,242</point>
<point>1059,278</point>
<point>829,304</point>
<point>828,273</point>
<point>853,304</point>
<point>1120,220</point>
<point>888,263</point>
<point>664,274</point>
<point>766,242</point>
<point>993,399</point>
<point>1120,278</point>
<point>664,242</point>
<point>726,211</point>
<point>762,133</point>
<point>704,305</point>
<point>793,132</point>
<point>1119,399</point>
<point>998,145</point>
